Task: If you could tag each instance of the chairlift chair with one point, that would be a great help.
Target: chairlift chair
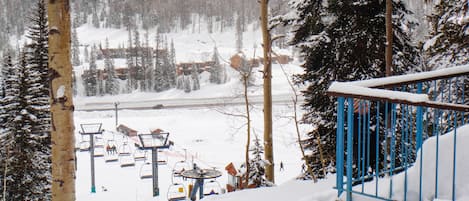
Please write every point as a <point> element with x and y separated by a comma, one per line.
<point>110,157</point>
<point>176,192</point>
<point>140,154</point>
<point>98,141</point>
<point>125,148</point>
<point>212,187</point>
<point>125,155</point>
<point>126,160</point>
<point>84,145</point>
<point>163,159</point>
<point>179,167</point>
<point>146,170</point>
<point>99,151</point>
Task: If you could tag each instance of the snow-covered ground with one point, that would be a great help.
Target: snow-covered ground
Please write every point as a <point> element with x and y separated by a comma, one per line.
<point>213,136</point>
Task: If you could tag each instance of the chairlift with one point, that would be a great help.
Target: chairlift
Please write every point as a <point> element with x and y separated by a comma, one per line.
<point>146,170</point>
<point>163,159</point>
<point>140,154</point>
<point>125,148</point>
<point>180,167</point>
<point>99,151</point>
<point>98,141</point>
<point>84,145</point>
<point>126,159</point>
<point>176,192</point>
<point>108,157</point>
<point>212,187</point>
<point>125,156</point>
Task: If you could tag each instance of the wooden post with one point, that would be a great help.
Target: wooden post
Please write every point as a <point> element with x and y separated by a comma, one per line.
<point>60,77</point>
<point>269,154</point>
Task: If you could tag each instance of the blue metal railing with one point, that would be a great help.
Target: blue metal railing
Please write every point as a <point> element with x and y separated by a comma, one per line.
<point>379,142</point>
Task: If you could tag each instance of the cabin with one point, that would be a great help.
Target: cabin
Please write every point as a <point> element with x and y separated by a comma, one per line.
<point>186,67</point>
<point>237,60</point>
<point>235,179</point>
<point>126,130</point>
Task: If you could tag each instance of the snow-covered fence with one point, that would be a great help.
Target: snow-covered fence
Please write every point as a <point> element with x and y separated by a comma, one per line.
<point>381,126</point>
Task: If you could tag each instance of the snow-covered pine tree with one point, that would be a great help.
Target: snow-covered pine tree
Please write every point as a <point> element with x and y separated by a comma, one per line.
<point>28,174</point>
<point>186,83</point>
<point>245,69</point>
<point>449,32</point>
<point>75,48</point>
<point>136,60</point>
<point>172,69</point>
<point>257,165</point>
<point>37,98</point>
<point>343,41</point>
<point>239,35</point>
<point>195,78</point>
<point>94,18</point>
<point>148,71</point>
<point>216,74</point>
<point>91,77</point>
<point>130,64</point>
<point>159,75</point>
<point>112,85</point>
<point>87,54</point>
<point>448,46</point>
<point>9,78</point>
<point>166,68</point>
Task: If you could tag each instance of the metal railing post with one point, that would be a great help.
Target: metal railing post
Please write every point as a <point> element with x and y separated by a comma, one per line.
<point>340,146</point>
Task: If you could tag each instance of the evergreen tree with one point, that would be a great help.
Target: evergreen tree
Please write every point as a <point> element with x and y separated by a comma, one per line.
<point>447,47</point>
<point>257,165</point>
<point>91,77</point>
<point>111,85</point>
<point>246,70</point>
<point>158,77</point>
<point>216,71</point>
<point>35,64</point>
<point>172,68</point>
<point>186,83</point>
<point>130,63</point>
<point>343,41</point>
<point>75,48</point>
<point>137,61</point>
<point>449,43</point>
<point>94,18</point>
<point>239,35</point>
<point>87,55</point>
<point>195,78</point>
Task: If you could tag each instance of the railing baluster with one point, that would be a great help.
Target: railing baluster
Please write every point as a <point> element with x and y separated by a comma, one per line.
<point>340,146</point>
<point>349,147</point>
<point>377,148</point>
<point>454,158</point>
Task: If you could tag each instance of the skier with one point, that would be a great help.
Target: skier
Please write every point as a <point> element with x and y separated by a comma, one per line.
<point>199,185</point>
<point>281,166</point>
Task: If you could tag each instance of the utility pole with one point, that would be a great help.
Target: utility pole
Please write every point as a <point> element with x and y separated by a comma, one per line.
<point>268,145</point>
<point>61,94</point>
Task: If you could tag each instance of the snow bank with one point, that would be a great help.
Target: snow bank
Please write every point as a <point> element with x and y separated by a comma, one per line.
<point>445,172</point>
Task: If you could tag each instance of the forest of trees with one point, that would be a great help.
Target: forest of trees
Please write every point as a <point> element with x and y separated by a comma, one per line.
<point>345,41</point>
<point>25,141</point>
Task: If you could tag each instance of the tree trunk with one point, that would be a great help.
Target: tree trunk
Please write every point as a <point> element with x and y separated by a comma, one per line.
<point>269,155</point>
<point>60,72</point>
<point>389,34</point>
<point>248,119</point>
<point>388,57</point>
